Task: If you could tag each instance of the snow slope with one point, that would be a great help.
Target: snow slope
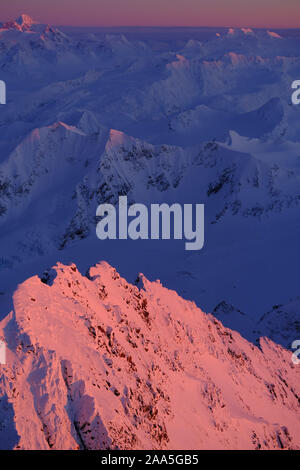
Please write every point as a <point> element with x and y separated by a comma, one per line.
<point>97,363</point>
<point>282,323</point>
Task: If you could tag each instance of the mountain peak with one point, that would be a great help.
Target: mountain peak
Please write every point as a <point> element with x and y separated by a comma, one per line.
<point>273,35</point>
<point>25,20</point>
<point>240,32</point>
<point>22,23</point>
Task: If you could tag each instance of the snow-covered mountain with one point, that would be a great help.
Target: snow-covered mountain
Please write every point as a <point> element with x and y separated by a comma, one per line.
<point>23,23</point>
<point>94,362</point>
<point>228,181</point>
<point>209,122</point>
<point>281,323</point>
<point>31,49</point>
<point>24,43</point>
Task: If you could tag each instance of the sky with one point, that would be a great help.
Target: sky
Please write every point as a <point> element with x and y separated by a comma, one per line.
<point>252,13</point>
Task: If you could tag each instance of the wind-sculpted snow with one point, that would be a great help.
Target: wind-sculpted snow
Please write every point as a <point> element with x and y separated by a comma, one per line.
<point>94,362</point>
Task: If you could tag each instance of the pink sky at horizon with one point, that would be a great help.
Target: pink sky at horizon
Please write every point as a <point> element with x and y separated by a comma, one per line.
<point>236,13</point>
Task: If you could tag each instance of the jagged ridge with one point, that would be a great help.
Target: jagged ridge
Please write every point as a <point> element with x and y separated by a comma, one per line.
<point>95,363</point>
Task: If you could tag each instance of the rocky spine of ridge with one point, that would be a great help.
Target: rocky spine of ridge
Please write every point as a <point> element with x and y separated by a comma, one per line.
<point>94,362</point>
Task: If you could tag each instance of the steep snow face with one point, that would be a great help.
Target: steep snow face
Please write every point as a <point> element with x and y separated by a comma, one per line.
<point>94,362</point>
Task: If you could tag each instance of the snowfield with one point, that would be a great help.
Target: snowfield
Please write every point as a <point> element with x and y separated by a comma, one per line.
<point>176,115</point>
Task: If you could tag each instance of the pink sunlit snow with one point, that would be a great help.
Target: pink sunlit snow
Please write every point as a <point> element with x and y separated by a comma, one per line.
<point>95,363</point>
